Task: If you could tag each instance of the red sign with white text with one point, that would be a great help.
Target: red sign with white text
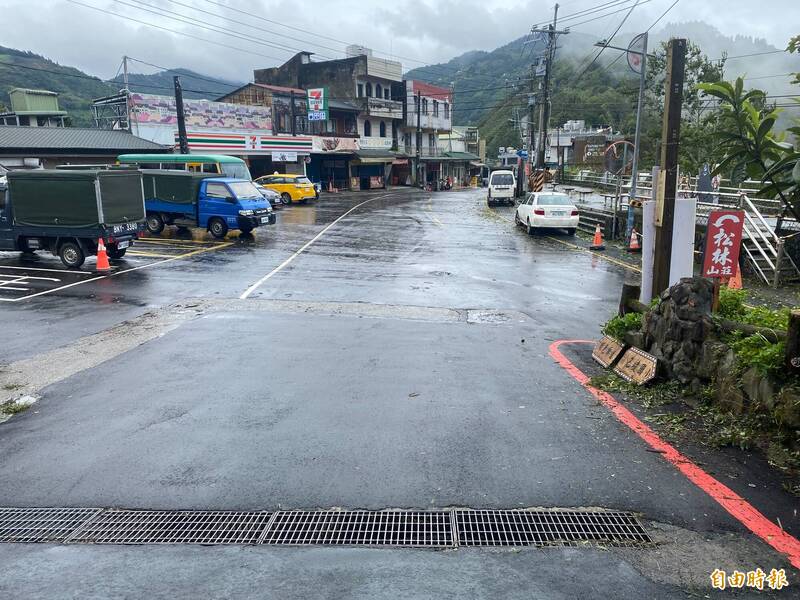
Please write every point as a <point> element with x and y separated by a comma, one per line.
<point>723,240</point>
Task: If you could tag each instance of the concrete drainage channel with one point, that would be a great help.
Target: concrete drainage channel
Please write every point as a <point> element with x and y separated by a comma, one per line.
<point>386,528</point>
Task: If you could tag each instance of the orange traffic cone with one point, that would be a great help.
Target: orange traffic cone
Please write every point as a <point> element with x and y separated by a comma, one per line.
<point>634,245</point>
<point>102,257</point>
<point>597,243</point>
<point>735,282</point>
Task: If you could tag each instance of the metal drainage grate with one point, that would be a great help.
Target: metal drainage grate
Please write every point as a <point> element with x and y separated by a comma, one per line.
<point>363,528</point>
<point>41,524</point>
<point>548,528</point>
<point>173,527</point>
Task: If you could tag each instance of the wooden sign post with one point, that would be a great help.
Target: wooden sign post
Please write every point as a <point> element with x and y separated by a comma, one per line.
<point>637,366</point>
<point>607,351</point>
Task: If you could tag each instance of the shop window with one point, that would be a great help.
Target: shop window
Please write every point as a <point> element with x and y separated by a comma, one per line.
<point>367,128</point>
<point>382,129</point>
<point>431,141</point>
<point>369,90</point>
<point>350,126</point>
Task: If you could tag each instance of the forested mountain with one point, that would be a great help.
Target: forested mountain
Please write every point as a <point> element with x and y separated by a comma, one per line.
<point>194,84</point>
<point>491,87</point>
<point>76,89</point>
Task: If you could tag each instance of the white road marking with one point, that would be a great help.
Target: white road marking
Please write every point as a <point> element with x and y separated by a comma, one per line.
<point>305,246</point>
<point>48,270</point>
<point>114,274</point>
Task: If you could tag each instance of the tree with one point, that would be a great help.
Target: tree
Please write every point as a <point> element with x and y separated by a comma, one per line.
<point>699,120</point>
<point>750,148</point>
<point>794,46</point>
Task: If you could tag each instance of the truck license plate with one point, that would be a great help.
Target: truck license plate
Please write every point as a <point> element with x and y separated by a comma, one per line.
<point>265,219</point>
<point>122,245</point>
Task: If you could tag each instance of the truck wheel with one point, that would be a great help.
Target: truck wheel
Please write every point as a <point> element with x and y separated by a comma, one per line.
<point>218,228</point>
<point>529,228</point>
<point>114,252</point>
<point>155,224</point>
<point>71,254</point>
<point>286,198</point>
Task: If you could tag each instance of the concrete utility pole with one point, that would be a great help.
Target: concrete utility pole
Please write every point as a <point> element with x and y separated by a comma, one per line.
<point>127,91</point>
<point>670,136</point>
<point>419,136</point>
<point>544,106</point>
<point>183,142</point>
<point>637,138</point>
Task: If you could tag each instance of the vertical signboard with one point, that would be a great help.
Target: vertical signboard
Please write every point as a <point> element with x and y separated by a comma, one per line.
<point>317,104</point>
<point>723,239</point>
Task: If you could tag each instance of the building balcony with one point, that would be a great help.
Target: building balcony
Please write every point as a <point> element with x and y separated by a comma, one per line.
<point>425,151</point>
<point>379,107</point>
<point>429,121</point>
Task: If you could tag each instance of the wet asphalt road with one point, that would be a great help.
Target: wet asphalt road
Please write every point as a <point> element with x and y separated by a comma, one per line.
<point>357,391</point>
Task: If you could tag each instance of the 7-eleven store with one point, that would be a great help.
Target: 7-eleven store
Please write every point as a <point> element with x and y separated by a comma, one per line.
<point>264,153</point>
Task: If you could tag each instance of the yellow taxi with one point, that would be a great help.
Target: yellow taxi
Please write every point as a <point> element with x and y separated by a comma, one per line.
<point>292,188</point>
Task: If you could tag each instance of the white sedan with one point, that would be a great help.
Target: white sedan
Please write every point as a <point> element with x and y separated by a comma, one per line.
<point>547,210</point>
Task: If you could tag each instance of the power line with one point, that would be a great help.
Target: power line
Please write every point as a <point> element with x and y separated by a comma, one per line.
<point>163,12</point>
<point>608,41</point>
<point>173,31</point>
<point>671,6</point>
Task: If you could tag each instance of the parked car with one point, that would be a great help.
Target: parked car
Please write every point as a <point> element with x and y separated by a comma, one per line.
<point>502,185</point>
<point>273,197</point>
<point>292,188</point>
<point>547,210</point>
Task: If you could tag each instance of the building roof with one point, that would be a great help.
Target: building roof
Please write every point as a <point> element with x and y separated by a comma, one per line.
<point>341,105</point>
<point>461,156</point>
<point>77,140</point>
<point>430,90</point>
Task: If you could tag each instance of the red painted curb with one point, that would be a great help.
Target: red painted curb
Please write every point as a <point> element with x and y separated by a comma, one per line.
<point>737,507</point>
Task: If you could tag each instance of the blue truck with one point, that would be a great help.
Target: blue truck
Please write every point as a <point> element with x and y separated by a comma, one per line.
<point>217,204</point>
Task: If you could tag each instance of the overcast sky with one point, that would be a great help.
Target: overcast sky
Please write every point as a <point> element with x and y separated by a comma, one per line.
<point>418,31</point>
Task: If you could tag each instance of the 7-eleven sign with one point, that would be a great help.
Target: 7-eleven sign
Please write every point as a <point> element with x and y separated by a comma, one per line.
<point>317,99</point>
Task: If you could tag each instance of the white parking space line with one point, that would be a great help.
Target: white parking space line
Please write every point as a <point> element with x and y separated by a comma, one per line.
<point>95,277</point>
<point>3,267</point>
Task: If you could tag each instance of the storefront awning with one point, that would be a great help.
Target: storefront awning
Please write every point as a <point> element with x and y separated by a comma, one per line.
<point>468,156</point>
<point>371,157</point>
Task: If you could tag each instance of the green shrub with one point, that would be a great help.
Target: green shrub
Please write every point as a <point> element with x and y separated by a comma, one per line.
<point>731,304</point>
<point>619,326</point>
<point>757,351</point>
<point>764,317</point>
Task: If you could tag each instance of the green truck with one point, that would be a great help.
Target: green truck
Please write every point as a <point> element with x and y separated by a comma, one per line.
<point>68,212</point>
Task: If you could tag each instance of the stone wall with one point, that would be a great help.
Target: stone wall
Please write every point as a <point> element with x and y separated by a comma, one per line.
<point>682,335</point>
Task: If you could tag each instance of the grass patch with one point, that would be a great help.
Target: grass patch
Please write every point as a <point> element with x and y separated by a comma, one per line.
<point>650,396</point>
<point>10,387</point>
<point>13,408</point>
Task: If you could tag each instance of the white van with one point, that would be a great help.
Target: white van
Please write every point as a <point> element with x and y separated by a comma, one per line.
<point>502,185</point>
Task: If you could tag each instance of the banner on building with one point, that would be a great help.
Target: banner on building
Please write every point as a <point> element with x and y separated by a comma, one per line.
<point>317,99</point>
<point>160,110</point>
<point>284,156</point>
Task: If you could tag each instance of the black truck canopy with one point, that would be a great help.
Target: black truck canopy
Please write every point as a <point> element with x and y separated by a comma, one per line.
<point>176,186</point>
<point>79,199</point>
